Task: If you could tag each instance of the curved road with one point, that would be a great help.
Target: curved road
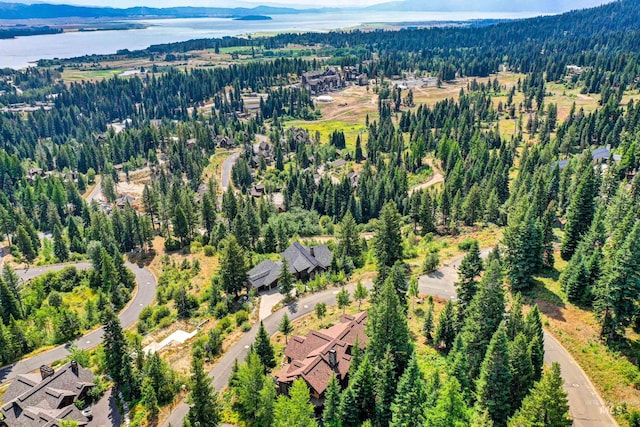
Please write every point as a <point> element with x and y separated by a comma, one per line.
<point>146,292</point>
<point>586,407</point>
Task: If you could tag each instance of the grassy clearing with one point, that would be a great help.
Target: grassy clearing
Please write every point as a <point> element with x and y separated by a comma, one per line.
<point>75,75</point>
<point>417,247</point>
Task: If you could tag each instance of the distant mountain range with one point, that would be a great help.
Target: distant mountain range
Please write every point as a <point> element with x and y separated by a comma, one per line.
<point>542,6</point>
<point>15,11</point>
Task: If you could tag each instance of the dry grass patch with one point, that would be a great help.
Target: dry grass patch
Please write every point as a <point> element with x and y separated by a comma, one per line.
<point>614,373</point>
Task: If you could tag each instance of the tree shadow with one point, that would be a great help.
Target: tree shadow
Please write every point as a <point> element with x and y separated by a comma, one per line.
<point>549,302</point>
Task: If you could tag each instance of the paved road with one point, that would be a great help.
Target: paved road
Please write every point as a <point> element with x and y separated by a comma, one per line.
<point>586,407</point>
<point>227,165</point>
<point>146,292</point>
<point>96,193</point>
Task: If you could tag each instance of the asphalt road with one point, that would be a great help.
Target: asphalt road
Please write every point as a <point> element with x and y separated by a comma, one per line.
<point>146,292</point>
<point>226,170</point>
<point>586,407</point>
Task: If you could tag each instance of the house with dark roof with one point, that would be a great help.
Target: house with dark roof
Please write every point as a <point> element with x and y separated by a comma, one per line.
<point>46,398</point>
<point>320,354</point>
<point>304,263</point>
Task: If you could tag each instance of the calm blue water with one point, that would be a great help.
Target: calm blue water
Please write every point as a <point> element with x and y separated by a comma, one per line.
<point>20,52</point>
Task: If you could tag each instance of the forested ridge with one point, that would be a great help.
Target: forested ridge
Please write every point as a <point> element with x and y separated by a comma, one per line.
<point>544,186</point>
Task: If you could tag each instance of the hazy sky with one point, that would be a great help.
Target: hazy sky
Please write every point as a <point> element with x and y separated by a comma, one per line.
<point>218,3</point>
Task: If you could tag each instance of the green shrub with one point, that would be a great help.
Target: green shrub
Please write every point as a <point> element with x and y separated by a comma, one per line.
<point>431,262</point>
<point>246,327</point>
<point>466,244</point>
<point>241,317</point>
<point>220,310</point>
<point>209,250</point>
<point>224,323</point>
<point>171,245</point>
<point>165,322</point>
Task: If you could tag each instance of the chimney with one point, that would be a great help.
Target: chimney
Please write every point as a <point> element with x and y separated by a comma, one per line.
<point>74,367</point>
<point>333,358</point>
<point>46,371</point>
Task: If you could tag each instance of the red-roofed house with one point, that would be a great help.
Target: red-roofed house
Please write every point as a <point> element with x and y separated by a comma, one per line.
<point>319,354</point>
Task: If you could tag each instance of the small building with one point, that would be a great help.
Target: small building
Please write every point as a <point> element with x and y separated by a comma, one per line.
<point>47,398</point>
<point>122,201</point>
<point>304,263</point>
<point>321,354</point>
<point>225,142</point>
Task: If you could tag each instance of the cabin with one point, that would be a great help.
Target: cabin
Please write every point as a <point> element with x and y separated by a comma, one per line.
<point>48,397</point>
<point>321,354</point>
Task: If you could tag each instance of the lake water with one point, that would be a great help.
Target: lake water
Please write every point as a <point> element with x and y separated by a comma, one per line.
<point>22,51</point>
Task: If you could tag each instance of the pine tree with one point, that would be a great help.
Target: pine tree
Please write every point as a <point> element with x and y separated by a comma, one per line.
<point>233,267</point>
<point>349,240</point>
<point>524,249</point>
<point>425,214</point>
<point>150,400</point>
<point>535,336</point>
<point>618,290</point>
<point>458,365</point>
<point>296,410</point>
<point>515,318</point>
<point>331,413</point>
<point>9,304</point>
<point>349,415</point>
<point>581,210</point>
<point>286,280</point>
<point>427,325</point>
<point>180,224</point>
<point>470,268</point>
<point>321,310</point>
<point>494,384</point>
<point>480,418</point>
<point>483,317</point>
<point>286,328</point>
<point>546,405</point>
<point>60,248</point>
<point>386,382</point>
<point>363,385</point>
<point>358,155</point>
<point>387,245</point>
<point>263,348</point>
<point>446,329</point>
<point>387,325</point>
<point>23,241</point>
<point>451,409</point>
<point>249,378</point>
<point>205,405</point>
<point>266,403</point>
<point>408,408</point>
<point>343,299</point>
<point>360,293</point>
<point>522,374</point>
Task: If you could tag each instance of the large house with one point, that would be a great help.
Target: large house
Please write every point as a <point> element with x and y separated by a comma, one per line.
<point>321,354</point>
<point>322,81</point>
<point>46,398</point>
<point>304,263</point>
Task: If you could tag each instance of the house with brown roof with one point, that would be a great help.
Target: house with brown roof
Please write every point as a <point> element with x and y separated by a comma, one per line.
<point>320,354</point>
<point>46,398</point>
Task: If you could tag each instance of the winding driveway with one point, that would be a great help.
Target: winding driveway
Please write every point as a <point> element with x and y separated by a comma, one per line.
<point>144,296</point>
<point>586,407</point>
<point>227,165</point>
